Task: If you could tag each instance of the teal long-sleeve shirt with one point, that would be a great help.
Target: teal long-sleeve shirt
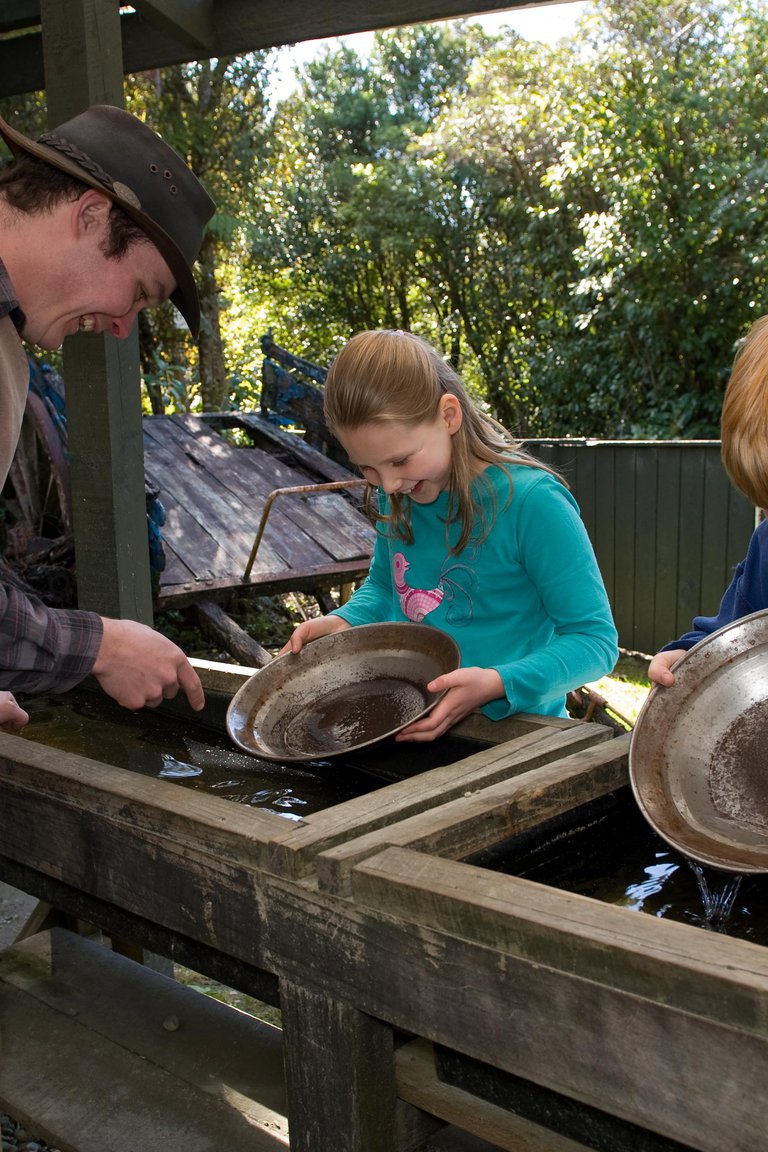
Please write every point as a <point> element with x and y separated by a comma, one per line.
<point>529,601</point>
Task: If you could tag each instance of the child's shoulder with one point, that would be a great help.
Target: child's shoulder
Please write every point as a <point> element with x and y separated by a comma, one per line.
<point>523,477</point>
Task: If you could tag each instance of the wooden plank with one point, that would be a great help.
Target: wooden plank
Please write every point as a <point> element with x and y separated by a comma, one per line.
<point>224,630</point>
<point>330,521</point>
<point>715,576</point>
<point>288,446</point>
<point>82,55</point>
<point>486,817</point>
<point>356,1105</point>
<point>237,489</point>
<point>264,583</point>
<point>667,1031</point>
<point>164,1065</point>
<point>667,563</point>
<point>687,968</point>
<point>417,1082</point>
<point>236,29</point>
<point>230,524</point>
<point>112,834</point>
<point>605,514</point>
<point>624,549</point>
<point>296,852</point>
<point>644,465</point>
<point>690,535</point>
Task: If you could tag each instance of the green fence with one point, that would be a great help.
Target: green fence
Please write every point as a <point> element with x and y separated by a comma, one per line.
<point>666,524</point>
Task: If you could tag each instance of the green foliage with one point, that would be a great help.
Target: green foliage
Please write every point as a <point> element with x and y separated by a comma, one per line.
<point>581,230</point>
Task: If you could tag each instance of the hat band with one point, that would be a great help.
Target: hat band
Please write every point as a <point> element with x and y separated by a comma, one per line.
<point>52,140</point>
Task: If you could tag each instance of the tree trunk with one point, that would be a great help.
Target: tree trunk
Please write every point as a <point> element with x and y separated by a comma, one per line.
<point>213,373</point>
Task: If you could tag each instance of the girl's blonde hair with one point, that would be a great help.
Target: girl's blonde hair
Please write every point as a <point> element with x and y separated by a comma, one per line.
<point>744,417</point>
<point>384,375</point>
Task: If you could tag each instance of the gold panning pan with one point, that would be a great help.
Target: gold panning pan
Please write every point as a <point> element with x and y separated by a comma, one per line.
<point>341,692</point>
<point>698,760</point>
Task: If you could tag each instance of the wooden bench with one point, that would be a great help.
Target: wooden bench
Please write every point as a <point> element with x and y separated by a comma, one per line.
<point>100,1054</point>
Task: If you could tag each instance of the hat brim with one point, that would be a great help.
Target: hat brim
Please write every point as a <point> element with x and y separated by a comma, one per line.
<point>185,296</point>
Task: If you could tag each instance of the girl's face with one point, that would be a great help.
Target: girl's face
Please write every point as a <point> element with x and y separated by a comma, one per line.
<point>412,459</point>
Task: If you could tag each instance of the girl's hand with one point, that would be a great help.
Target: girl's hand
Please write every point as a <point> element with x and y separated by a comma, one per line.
<point>659,668</point>
<point>312,630</point>
<point>12,716</point>
<point>467,689</point>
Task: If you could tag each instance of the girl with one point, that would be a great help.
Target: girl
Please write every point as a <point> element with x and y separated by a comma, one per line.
<point>474,536</point>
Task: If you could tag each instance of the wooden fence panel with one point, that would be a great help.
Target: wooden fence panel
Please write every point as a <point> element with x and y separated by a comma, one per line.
<point>666,524</point>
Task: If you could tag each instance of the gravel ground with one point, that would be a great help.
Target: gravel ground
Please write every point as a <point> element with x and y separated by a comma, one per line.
<point>16,1138</point>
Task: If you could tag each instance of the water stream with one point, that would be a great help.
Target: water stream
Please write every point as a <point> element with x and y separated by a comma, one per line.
<point>615,856</point>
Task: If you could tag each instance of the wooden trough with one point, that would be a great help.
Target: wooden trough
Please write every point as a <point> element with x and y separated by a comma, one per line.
<point>422,997</point>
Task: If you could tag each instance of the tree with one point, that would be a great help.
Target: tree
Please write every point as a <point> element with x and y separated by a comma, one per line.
<point>663,174</point>
<point>346,197</point>
<point>213,112</point>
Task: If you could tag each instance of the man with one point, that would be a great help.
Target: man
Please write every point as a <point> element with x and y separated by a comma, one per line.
<point>98,219</point>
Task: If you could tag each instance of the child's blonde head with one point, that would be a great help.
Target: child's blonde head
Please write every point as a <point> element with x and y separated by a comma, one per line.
<point>392,376</point>
<point>744,418</point>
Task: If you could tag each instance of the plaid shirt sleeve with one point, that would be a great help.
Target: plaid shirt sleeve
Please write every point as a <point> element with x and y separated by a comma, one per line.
<point>44,649</point>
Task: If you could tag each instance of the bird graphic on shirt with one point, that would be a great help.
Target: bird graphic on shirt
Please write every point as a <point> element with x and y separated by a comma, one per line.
<point>416,603</point>
<point>456,585</point>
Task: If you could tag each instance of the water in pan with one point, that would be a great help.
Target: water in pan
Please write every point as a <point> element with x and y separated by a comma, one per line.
<point>346,718</point>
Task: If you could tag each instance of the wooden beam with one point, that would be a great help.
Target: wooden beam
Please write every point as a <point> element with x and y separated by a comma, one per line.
<point>237,28</point>
<point>216,624</point>
<point>15,14</point>
<point>83,66</point>
<point>189,21</point>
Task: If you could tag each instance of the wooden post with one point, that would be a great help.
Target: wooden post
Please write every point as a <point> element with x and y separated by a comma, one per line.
<point>340,1074</point>
<point>82,52</point>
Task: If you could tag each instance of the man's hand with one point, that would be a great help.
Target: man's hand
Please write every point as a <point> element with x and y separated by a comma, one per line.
<point>140,667</point>
<point>12,716</point>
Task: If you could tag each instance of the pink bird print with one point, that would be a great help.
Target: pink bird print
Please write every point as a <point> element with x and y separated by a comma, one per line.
<point>416,603</point>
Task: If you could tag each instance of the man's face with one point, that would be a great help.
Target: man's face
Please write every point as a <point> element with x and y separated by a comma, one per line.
<point>87,292</point>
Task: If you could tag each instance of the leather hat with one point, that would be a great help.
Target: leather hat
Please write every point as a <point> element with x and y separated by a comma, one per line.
<point>115,152</point>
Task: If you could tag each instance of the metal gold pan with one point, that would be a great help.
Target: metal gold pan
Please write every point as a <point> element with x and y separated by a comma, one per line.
<point>698,760</point>
<point>340,692</point>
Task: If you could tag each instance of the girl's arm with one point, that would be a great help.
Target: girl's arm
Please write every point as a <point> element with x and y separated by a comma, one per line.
<point>558,556</point>
<point>369,604</point>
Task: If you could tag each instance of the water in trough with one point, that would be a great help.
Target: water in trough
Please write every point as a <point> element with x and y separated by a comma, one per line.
<point>608,851</point>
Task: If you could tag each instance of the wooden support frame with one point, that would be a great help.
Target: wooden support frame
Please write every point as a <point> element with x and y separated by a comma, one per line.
<point>374,925</point>
<point>82,50</point>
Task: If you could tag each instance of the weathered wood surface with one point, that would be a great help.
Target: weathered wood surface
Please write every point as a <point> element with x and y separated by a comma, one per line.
<point>418,1083</point>
<point>657,1023</point>
<point>215,623</point>
<point>186,861</point>
<point>296,853</point>
<point>103,1055</point>
<point>214,494</point>
<point>183,32</point>
<point>487,813</point>
<point>363,1096</point>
